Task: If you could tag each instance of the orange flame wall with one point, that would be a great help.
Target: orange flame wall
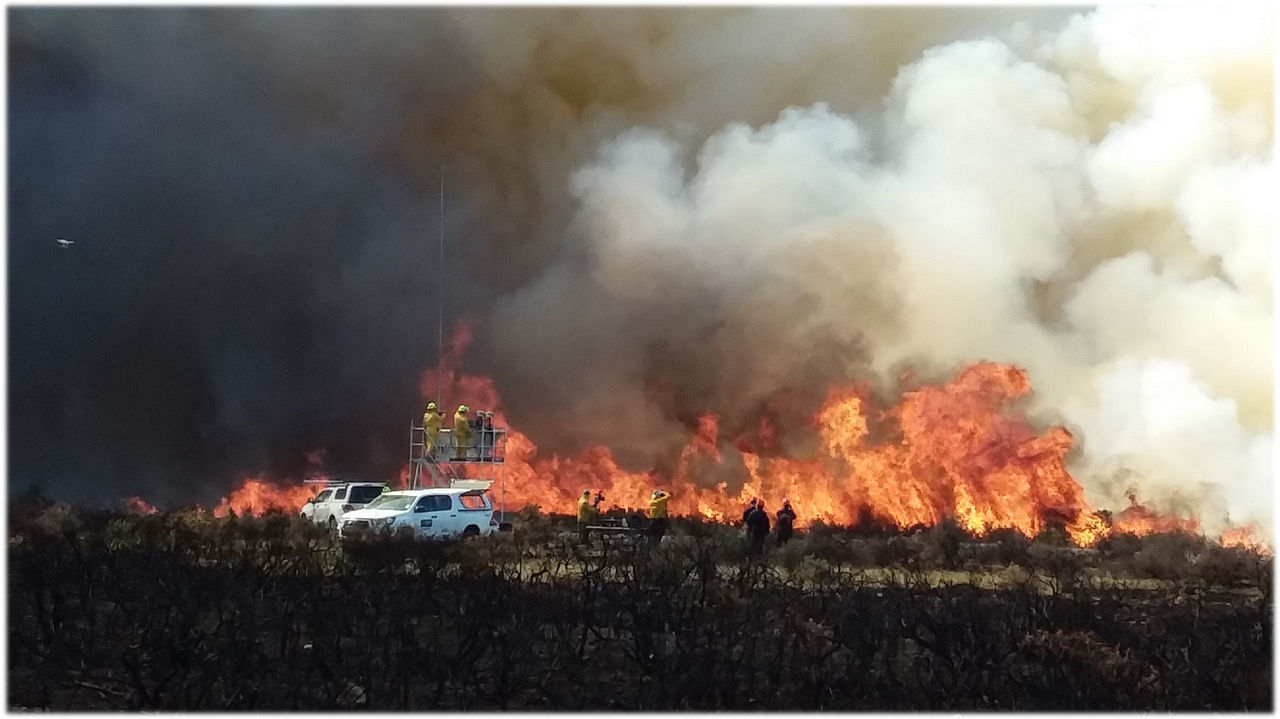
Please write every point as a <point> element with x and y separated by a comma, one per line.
<point>959,450</point>
<point>954,450</point>
<point>258,495</point>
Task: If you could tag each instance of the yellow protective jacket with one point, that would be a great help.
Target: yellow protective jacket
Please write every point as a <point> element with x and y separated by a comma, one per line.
<point>586,511</point>
<point>461,431</point>
<point>431,421</point>
<point>658,506</point>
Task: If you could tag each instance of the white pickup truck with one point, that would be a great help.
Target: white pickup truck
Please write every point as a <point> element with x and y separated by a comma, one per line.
<point>333,502</point>
<point>435,513</point>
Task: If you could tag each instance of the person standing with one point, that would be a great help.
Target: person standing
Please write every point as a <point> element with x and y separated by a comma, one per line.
<point>486,436</point>
<point>461,433</point>
<point>757,529</point>
<point>658,514</point>
<point>431,419</point>
<point>751,506</point>
<point>786,522</point>
<point>586,513</point>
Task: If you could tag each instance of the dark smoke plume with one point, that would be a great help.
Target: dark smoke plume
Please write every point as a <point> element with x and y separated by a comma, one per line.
<point>652,213</point>
<point>252,194</point>
<point>249,275</point>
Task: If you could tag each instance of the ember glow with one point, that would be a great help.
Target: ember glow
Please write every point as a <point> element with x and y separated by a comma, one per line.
<point>137,505</point>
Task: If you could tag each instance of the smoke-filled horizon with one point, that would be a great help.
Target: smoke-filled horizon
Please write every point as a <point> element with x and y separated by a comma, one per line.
<point>652,213</point>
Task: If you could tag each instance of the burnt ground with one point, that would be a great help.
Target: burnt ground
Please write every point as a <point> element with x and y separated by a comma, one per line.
<point>184,612</point>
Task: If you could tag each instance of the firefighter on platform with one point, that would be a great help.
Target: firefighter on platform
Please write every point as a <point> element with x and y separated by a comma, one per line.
<point>461,432</point>
<point>431,420</point>
<point>486,435</point>
<point>658,514</point>
<point>786,521</point>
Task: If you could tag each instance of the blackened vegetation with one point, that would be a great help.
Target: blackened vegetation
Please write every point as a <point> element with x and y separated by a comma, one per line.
<point>182,611</point>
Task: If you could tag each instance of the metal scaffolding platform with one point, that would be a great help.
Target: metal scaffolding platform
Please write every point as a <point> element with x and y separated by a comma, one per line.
<point>481,463</point>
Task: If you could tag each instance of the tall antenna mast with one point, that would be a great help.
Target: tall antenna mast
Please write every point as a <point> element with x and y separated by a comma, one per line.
<point>440,318</point>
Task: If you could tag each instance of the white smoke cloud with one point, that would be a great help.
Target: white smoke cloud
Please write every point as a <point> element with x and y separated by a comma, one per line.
<point>1151,423</point>
<point>1092,204</point>
<point>1227,212</point>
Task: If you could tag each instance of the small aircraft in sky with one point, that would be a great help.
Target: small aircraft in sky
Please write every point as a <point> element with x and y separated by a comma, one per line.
<point>65,242</point>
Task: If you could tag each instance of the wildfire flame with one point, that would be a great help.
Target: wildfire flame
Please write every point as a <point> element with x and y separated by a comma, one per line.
<point>1139,520</point>
<point>959,450</point>
<point>258,495</point>
<point>1244,536</point>
<point>955,451</point>
<point>138,505</point>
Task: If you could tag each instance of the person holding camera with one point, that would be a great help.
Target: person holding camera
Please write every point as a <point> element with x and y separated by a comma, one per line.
<point>658,514</point>
<point>588,510</point>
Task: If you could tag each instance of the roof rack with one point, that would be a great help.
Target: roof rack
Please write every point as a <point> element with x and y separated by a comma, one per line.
<point>344,480</point>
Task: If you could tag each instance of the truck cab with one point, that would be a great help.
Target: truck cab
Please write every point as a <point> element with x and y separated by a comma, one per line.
<point>435,513</point>
<point>335,500</point>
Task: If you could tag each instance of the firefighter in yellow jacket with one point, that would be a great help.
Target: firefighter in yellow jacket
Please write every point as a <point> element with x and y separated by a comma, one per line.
<point>658,514</point>
<point>461,432</point>
<point>586,512</point>
<point>431,424</point>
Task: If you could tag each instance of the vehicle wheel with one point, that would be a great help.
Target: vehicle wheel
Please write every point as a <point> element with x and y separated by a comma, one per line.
<point>471,531</point>
<point>333,524</point>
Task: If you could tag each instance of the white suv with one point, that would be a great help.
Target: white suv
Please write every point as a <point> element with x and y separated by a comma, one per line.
<point>335,501</point>
<point>435,513</point>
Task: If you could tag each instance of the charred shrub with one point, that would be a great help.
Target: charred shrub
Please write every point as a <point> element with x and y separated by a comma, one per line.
<point>826,545</point>
<point>865,552</point>
<point>51,520</point>
<point>941,544</point>
<point>1166,555</point>
<point>1120,547</point>
<point>1227,566</point>
<point>819,528</point>
<point>1053,536</point>
<point>1063,567</point>
<point>184,612</point>
<point>900,551</point>
<point>538,528</point>
<point>1011,546</point>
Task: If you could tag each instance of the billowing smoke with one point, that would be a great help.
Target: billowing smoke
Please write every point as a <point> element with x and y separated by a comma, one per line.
<point>1092,204</point>
<point>653,213</point>
<point>247,279</point>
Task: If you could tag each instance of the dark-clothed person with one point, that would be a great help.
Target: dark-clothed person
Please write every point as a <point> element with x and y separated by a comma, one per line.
<point>757,529</point>
<point>786,520</point>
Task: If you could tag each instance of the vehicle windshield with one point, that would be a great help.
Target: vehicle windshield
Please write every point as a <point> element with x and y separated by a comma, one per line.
<point>391,501</point>
<point>362,494</point>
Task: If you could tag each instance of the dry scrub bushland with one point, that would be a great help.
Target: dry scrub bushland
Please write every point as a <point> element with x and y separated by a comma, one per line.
<point>183,612</point>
